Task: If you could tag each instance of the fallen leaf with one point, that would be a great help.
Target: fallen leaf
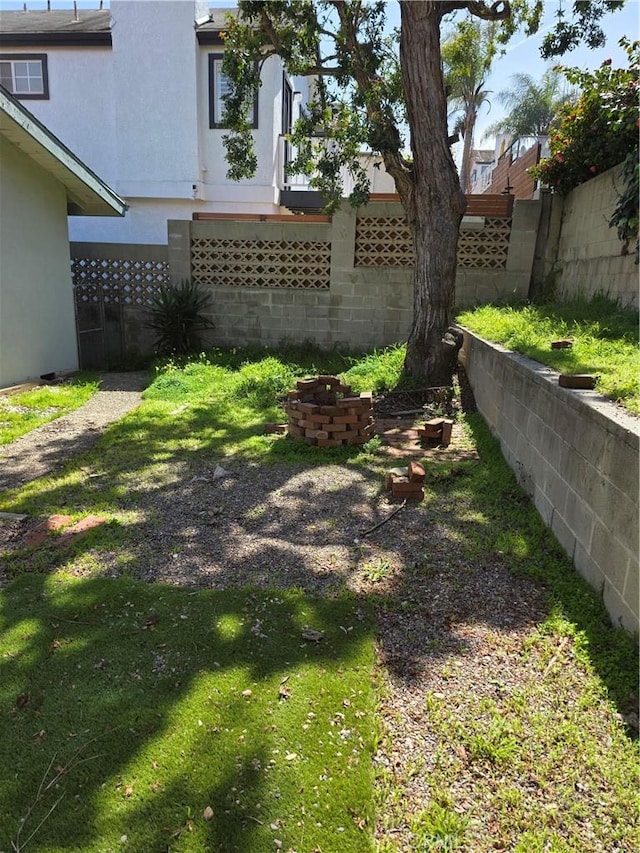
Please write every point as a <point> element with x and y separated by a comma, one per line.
<point>246,693</point>
<point>207,813</point>
<point>291,756</point>
<point>128,791</point>
<point>23,700</point>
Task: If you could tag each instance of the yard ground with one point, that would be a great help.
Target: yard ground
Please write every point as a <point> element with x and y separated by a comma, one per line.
<point>460,687</point>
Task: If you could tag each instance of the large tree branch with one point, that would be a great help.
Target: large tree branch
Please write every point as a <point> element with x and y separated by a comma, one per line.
<point>498,11</point>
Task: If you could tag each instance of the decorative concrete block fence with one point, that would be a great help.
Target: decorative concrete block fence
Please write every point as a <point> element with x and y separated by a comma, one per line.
<point>323,410</point>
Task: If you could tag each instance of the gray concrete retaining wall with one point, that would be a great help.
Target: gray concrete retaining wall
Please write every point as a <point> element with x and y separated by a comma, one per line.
<point>577,456</point>
<point>586,254</point>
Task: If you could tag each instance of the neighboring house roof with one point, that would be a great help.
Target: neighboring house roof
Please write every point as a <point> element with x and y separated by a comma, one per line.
<point>87,194</point>
<point>209,31</point>
<point>83,27</point>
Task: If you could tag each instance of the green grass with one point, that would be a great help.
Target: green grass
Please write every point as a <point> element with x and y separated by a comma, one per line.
<point>139,691</point>
<point>605,340</point>
<point>23,412</point>
<point>130,709</point>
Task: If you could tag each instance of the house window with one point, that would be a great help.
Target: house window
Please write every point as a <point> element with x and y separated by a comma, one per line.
<point>219,88</point>
<point>25,75</point>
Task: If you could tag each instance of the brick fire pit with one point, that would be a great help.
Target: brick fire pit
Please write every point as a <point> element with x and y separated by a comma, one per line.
<point>324,411</point>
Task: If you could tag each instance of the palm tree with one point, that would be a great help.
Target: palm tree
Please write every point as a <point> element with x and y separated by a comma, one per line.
<point>532,105</point>
<point>467,55</point>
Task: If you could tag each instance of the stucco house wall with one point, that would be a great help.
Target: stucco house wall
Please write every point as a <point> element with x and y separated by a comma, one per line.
<point>37,325</point>
<point>85,124</point>
<point>43,182</point>
<point>137,113</point>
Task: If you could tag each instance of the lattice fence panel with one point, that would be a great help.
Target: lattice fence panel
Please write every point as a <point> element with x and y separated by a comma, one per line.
<point>383,241</point>
<point>118,281</point>
<point>486,248</point>
<point>302,264</point>
<point>387,242</point>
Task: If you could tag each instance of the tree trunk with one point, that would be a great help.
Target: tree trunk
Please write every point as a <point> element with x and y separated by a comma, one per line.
<point>465,166</point>
<point>436,204</point>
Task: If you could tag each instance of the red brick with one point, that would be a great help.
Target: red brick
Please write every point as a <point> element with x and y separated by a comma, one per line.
<point>38,535</point>
<point>329,380</point>
<point>307,384</point>
<point>361,439</point>
<point>55,522</point>
<point>447,427</point>
<point>279,429</point>
<point>336,427</point>
<point>330,410</point>
<point>294,430</point>
<point>434,423</point>
<point>563,344</point>
<point>345,419</point>
<point>577,380</point>
<point>366,395</point>
<point>404,489</point>
<point>86,523</point>
<point>415,472</point>
<point>350,433</point>
<point>308,408</point>
<point>293,395</point>
<point>328,442</point>
<point>346,402</point>
<point>344,389</point>
<point>316,433</point>
<point>430,432</point>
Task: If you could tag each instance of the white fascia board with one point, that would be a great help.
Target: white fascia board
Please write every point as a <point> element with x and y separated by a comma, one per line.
<point>32,137</point>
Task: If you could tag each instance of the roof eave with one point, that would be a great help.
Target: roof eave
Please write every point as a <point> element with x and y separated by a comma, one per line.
<point>55,39</point>
<point>87,194</point>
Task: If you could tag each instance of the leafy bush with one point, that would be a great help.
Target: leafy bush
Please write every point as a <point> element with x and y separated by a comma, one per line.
<point>597,132</point>
<point>178,317</point>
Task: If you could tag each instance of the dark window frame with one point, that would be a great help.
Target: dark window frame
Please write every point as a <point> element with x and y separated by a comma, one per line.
<point>30,57</point>
<point>217,125</point>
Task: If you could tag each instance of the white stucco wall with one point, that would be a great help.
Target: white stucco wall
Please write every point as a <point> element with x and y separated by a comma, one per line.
<point>262,188</point>
<point>154,66</point>
<point>80,110</point>
<point>138,115</point>
<point>37,323</point>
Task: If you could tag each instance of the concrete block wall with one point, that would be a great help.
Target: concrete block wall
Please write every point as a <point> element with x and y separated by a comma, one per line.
<point>577,456</point>
<point>363,307</point>
<point>588,258</point>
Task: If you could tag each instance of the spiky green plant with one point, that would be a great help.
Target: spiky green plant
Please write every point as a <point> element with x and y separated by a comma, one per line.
<point>178,316</point>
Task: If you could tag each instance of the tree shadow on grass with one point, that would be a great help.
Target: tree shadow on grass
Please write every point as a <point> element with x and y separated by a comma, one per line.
<point>153,704</point>
<point>303,534</point>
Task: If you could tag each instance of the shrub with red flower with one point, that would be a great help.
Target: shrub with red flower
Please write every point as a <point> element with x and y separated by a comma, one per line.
<point>597,131</point>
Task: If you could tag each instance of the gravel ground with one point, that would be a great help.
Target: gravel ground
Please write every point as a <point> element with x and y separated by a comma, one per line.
<point>447,627</point>
<point>47,448</point>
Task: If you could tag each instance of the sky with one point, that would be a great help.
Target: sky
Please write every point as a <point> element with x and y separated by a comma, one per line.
<point>522,54</point>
